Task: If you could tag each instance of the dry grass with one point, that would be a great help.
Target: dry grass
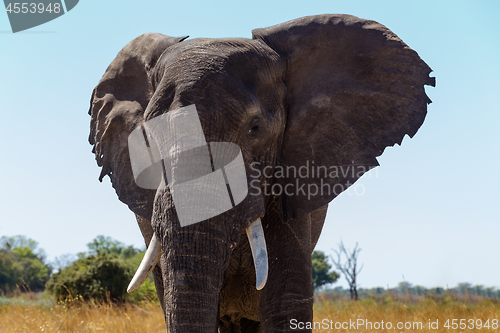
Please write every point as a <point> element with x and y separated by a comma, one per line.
<point>408,311</point>
<point>31,313</point>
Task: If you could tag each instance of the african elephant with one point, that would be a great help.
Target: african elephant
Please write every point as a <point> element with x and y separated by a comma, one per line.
<point>326,91</point>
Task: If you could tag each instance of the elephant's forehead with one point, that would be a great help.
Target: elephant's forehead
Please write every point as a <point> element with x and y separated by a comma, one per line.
<point>218,56</point>
<point>230,72</point>
<point>220,47</point>
<point>235,79</point>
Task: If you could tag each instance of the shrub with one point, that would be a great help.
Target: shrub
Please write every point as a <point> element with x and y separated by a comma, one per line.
<point>98,277</point>
<point>321,274</point>
<point>22,265</point>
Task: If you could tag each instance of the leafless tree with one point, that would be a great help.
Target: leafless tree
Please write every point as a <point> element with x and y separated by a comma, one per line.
<point>350,268</point>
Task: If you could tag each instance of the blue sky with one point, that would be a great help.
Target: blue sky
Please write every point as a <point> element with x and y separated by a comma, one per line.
<point>430,212</point>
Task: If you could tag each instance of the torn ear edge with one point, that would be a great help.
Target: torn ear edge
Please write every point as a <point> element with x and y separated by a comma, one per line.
<point>430,81</point>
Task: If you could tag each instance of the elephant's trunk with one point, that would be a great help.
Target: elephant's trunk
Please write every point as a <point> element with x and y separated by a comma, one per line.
<point>195,258</point>
<point>189,310</point>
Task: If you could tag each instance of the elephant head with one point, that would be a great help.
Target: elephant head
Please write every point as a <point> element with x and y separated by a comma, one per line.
<point>329,92</point>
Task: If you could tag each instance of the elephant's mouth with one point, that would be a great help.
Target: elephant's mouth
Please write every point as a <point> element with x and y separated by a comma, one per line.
<point>257,241</point>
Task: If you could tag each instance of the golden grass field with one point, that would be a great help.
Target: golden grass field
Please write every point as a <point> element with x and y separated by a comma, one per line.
<point>78,316</point>
<point>34,314</point>
<point>416,313</point>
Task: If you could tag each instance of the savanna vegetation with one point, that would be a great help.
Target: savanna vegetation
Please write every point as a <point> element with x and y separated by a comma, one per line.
<point>22,263</point>
<point>100,274</point>
<point>86,293</point>
<point>389,312</point>
<point>28,312</point>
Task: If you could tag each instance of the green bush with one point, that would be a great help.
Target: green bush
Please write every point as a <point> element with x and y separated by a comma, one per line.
<point>321,274</point>
<point>102,274</point>
<point>22,265</point>
<point>99,277</point>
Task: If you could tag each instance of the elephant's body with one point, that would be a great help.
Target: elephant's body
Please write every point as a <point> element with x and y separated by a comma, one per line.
<point>330,91</point>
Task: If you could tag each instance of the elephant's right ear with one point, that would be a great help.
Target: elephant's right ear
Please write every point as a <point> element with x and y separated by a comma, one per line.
<point>353,89</point>
<point>117,107</point>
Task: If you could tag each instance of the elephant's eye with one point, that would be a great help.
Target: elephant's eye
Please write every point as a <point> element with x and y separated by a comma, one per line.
<point>254,126</point>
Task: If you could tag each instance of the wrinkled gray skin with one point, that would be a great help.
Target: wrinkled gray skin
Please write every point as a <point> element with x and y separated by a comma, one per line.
<point>334,90</point>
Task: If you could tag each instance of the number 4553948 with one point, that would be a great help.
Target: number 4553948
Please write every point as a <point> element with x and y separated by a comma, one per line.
<point>32,8</point>
<point>470,324</point>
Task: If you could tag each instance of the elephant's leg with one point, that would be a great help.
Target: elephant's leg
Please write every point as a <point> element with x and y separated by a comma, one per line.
<point>147,233</point>
<point>288,294</point>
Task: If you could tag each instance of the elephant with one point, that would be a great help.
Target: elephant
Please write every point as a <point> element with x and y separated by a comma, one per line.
<point>311,103</point>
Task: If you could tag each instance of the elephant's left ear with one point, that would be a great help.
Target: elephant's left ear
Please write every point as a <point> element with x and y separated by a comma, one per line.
<point>117,107</point>
<point>353,89</point>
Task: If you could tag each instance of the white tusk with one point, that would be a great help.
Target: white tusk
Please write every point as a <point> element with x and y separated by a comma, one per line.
<point>257,242</point>
<point>147,265</point>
